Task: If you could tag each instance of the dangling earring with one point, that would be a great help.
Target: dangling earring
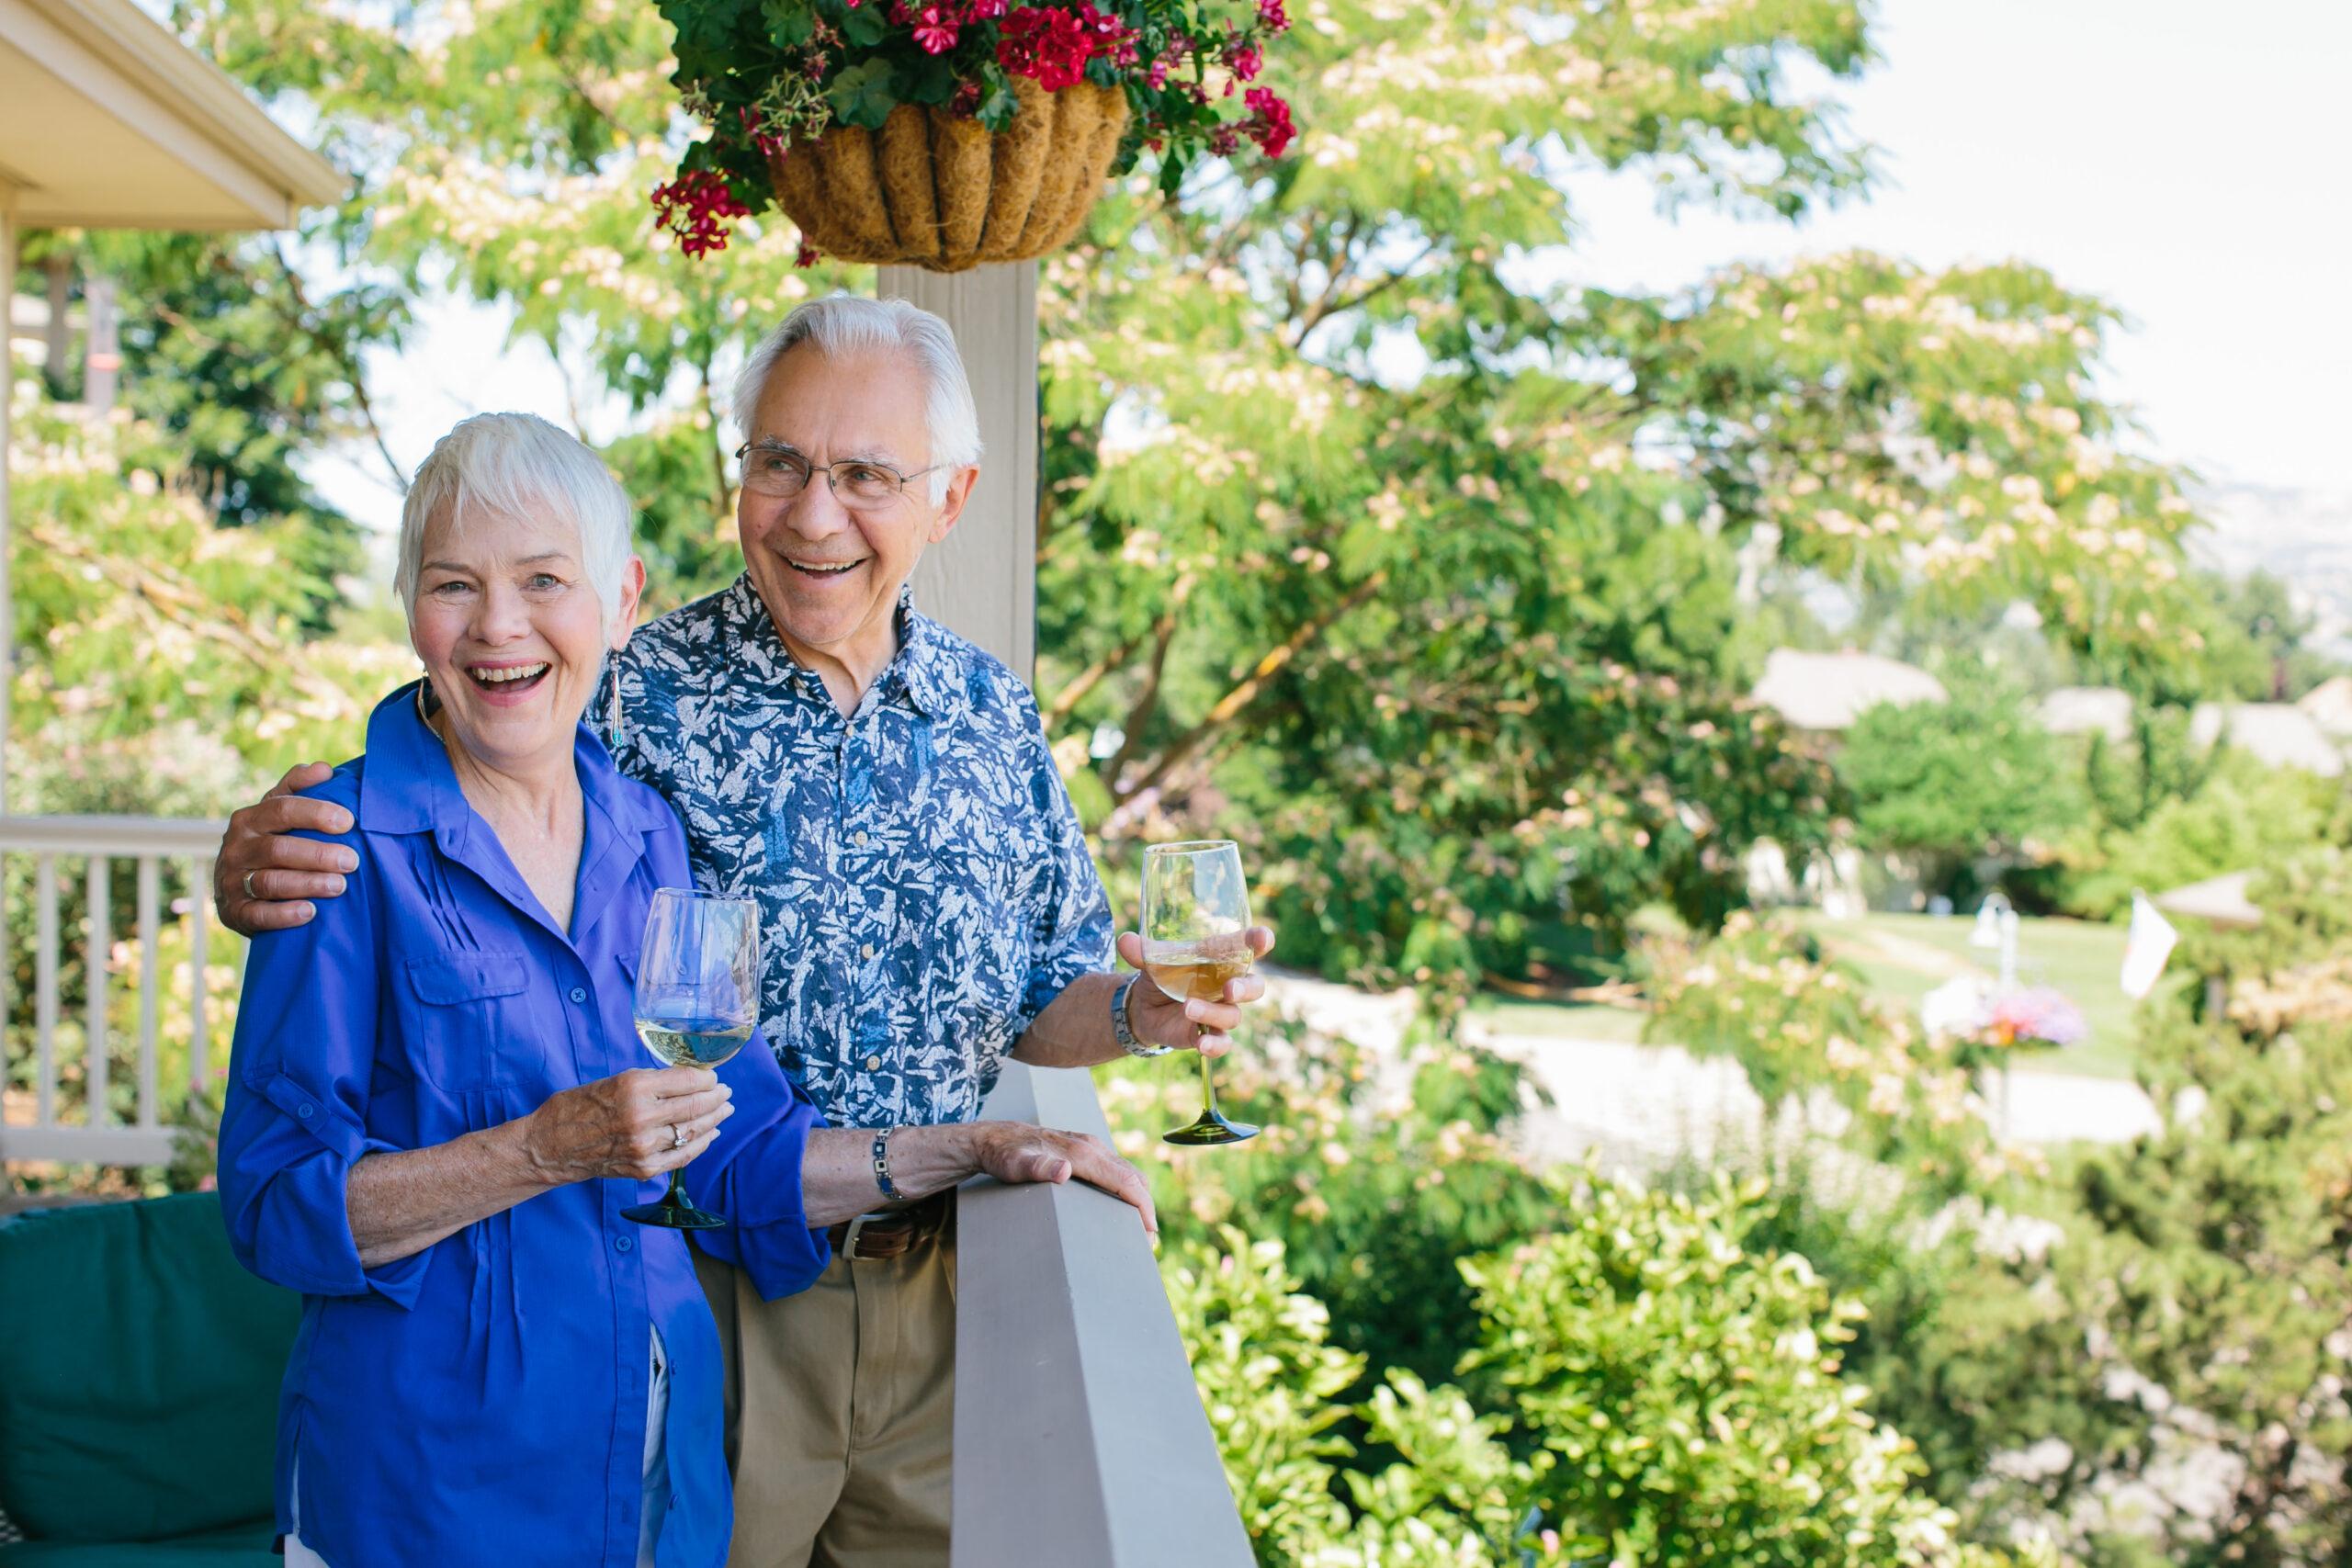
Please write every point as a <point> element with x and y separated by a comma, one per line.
<point>423,691</point>
<point>613,708</point>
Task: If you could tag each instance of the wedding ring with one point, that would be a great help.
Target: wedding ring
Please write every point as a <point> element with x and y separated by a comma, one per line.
<point>677,1139</point>
<point>249,887</point>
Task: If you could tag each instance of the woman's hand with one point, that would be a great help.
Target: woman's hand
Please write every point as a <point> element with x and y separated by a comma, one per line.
<point>629,1125</point>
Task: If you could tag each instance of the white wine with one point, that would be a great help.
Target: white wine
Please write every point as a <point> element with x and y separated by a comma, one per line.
<point>692,1042</point>
<point>1187,974</point>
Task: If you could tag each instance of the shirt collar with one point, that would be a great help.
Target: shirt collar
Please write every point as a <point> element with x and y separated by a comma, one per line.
<point>925,671</point>
<point>408,784</point>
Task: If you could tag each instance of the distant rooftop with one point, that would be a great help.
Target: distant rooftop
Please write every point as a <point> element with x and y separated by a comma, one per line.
<point>2088,710</point>
<point>1829,691</point>
<point>2280,733</point>
<point>2330,706</point>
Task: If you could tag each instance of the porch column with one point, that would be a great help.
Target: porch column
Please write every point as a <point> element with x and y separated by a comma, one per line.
<point>981,580</point>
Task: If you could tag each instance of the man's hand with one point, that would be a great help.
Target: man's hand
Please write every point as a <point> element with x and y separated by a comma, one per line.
<point>1192,1026</point>
<point>284,871</point>
<point>1017,1153</point>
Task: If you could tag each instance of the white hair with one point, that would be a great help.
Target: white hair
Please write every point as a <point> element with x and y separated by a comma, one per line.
<point>516,465</point>
<point>849,324</point>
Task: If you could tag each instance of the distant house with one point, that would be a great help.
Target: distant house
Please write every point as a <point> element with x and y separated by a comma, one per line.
<point>1827,692</point>
<point>2088,710</point>
<point>2330,706</point>
<point>2280,733</point>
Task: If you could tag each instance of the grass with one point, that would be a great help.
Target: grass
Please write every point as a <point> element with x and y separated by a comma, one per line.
<point>1903,957</point>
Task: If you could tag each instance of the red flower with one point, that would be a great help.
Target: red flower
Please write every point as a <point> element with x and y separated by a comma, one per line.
<point>697,206</point>
<point>1268,123</point>
<point>935,29</point>
<point>807,256</point>
<point>755,131</point>
<point>1051,44</point>
<point>1245,59</point>
<point>1270,13</point>
<point>967,101</point>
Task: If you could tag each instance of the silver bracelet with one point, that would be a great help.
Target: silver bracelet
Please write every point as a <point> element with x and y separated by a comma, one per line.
<point>1120,1031</point>
<point>882,1164</point>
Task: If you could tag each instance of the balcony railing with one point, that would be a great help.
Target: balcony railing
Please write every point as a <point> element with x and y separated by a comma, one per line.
<point>62,848</point>
<point>1080,1435</point>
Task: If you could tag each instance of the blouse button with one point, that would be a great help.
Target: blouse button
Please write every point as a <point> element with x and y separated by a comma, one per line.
<point>578,994</point>
<point>304,1110</point>
<point>873,1064</point>
<point>622,1243</point>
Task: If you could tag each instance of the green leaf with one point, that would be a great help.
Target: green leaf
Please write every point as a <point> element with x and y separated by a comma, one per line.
<point>863,94</point>
<point>864,26</point>
<point>790,23</point>
<point>998,107</point>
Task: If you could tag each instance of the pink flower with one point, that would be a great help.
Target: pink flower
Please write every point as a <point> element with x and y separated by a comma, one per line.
<point>934,30</point>
<point>698,208</point>
<point>1269,13</point>
<point>1269,124</point>
<point>1247,59</point>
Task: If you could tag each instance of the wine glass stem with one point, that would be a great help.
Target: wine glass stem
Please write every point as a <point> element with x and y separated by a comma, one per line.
<point>676,1199</point>
<point>1209,1090</point>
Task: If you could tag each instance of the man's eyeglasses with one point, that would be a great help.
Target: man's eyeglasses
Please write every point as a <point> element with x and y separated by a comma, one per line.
<point>782,473</point>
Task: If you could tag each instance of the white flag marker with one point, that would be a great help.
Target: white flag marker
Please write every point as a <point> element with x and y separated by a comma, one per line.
<point>2145,947</point>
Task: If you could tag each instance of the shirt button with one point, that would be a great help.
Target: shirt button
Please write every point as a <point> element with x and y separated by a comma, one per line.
<point>622,1242</point>
<point>866,951</point>
<point>305,1110</point>
<point>859,838</point>
<point>873,1064</point>
<point>579,995</point>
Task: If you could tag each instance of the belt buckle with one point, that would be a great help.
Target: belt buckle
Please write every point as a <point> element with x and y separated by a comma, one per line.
<point>849,1242</point>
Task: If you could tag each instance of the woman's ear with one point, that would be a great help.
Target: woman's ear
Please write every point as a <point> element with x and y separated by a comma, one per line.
<point>632,595</point>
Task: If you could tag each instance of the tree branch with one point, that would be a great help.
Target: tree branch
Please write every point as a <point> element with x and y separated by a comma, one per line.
<point>1086,680</point>
<point>353,371</point>
<point>1246,689</point>
<point>1147,703</point>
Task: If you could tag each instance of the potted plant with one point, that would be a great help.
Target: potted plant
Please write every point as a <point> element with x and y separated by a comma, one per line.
<point>955,132</point>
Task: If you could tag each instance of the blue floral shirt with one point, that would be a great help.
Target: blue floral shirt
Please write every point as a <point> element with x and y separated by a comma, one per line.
<point>925,884</point>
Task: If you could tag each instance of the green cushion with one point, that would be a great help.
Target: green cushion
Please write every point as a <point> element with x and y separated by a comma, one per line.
<point>139,1373</point>
<point>242,1546</point>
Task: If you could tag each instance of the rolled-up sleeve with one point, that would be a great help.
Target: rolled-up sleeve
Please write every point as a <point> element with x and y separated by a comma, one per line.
<point>1069,932</point>
<point>296,1121</point>
<point>750,1173</point>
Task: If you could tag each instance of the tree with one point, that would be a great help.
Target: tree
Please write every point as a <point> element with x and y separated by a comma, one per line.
<point>1949,782</point>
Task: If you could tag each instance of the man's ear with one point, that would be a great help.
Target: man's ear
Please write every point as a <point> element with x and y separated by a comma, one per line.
<point>951,508</point>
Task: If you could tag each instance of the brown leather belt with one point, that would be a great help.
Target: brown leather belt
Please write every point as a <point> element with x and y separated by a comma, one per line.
<point>871,1238</point>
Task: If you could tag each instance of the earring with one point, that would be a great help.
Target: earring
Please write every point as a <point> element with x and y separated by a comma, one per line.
<point>613,709</point>
<point>423,691</point>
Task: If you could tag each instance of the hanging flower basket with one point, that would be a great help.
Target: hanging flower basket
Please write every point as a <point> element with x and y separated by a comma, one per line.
<point>952,133</point>
<point>936,189</point>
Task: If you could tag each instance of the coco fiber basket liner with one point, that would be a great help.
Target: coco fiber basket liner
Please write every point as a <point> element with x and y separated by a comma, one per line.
<point>932,190</point>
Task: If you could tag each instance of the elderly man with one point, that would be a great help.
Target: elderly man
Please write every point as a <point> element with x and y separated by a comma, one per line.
<point>885,789</point>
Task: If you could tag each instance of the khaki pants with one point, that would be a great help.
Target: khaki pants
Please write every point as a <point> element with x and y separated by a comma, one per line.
<point>841,1411</point>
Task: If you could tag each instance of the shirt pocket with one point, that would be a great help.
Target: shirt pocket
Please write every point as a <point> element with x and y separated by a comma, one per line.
<point>464,1015</point>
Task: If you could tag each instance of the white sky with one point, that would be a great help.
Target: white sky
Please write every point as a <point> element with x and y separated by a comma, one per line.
<point>2190,162</point>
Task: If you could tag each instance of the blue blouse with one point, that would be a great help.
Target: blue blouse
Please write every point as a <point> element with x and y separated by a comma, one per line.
<point>483,1401</point>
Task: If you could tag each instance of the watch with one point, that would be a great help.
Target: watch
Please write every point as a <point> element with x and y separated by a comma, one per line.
<point>1119,1030</point>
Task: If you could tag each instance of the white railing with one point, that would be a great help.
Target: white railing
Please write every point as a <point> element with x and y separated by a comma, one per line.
<point>1080,1435</point>
<point>91,845</point>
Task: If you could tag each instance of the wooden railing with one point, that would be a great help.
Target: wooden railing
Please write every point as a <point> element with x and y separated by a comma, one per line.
<point>1080,1435</point>
<point>63,848</point>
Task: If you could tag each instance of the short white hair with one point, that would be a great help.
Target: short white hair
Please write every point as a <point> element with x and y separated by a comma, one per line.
<point>848,324</point>
<point>517,465</point>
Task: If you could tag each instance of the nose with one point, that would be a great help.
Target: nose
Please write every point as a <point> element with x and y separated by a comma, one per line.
<point>817,513</point>
<point>503,616</point>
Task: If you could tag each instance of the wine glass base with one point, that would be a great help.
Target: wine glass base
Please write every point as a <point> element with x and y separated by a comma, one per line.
<point>1209,1131</point>
<point>674,1217</point>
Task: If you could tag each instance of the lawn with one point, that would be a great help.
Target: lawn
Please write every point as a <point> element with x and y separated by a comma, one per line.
<point>1903,957</point>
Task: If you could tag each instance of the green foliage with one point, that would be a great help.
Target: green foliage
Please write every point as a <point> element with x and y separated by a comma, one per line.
<point>2247,815</point>
<point>1688,1387</point>
<point>1948,783</point>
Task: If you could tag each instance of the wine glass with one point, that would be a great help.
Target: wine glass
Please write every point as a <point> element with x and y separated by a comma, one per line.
<point>1196,926</point>
<point>697,999</point>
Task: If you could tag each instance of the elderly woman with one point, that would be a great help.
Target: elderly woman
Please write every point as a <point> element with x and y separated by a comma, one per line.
<point>438,1108</point>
